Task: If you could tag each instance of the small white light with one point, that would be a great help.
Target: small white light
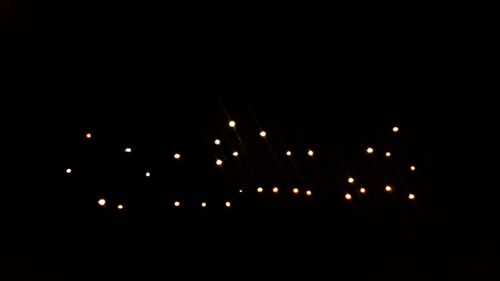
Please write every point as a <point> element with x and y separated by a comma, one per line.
<point>348,196</point>
<point>88,136</point>
<point>388,188</point>
<point>362,190</point>
<point>350,180</point>
<point>232,124</point>
<point>369,150</point>
<point>235,154</point>
<point>411,196</point>
<point>288,153</point>
<point>295,191</point>
<point>275,190</point>
<point>395,129</point>
<point>101,202</point>
<point>260,190</point>
<point>309,193</point>
<point>310,153</point>
<point>177,156</point>
<point>148,174</point>
<point>128,150</point>
<point>218,162</point>
<point>228,204</point>
<point>217,142</point>
<point>263,134</point>
<point>177,203</point>
<point>241,191</point>
<point>203,204</point>
<point>413,168</point>
<point>120,207</point>
<point>388,154</point>
<point>68,171</point>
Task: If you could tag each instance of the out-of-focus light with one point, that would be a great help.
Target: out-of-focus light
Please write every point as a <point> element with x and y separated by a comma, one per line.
<point>235,154</point>
<point>88,136</point>
<point>128,150</point>
<point>348,196</point>
<point>148,174</point>
<point>228,204</point>
<point>295,191</point>
<point>350,180</point>
<point>310,153</point>
<point>395,129</point>
<point>260,190</point>
<point>177,203</point>
<point>411,196</point>
<point>177,156</point>
<point>101,202</point>
<point>362,190</point>
<point>232,124</point>
<point>120,207</point>
<point>240,191</point>
<point>388,188</point>
<point>275,190</point>
<point>388,154</point>
<point>203,204</point>
<point>413,168</point>
<point>218,162</point>
<point>68,171</point>
<point>309,193</point>
<point>217,141</point>
<point>263,134</point>
<point>288,153</point>
<point>369,150</point>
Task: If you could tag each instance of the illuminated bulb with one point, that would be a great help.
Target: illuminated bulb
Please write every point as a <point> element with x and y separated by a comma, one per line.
<point>348,196</point>
<point>263,134</point>
<point>228,204</point>
<point>275,190</point>
<point>395,129</point>
<point>217,141</point>
<point>388,188</point>
<point>411,196</point>
<point>68,171</point>
<point>101,202</point>
<point>388,154</point>
<point>128,150</point>
<point>309,193</point>
<point>369,150</point>
<point>296,190</point>
<point>88,136</point>
<point>232,124</point>
<point>260,190</point>
<point>241,190</point>
<point>148,174</point>
<point>177,156</point>
<point>235,154</point>
<point>177,203</point>
<point>310,153</point>
<point>218,162</point>
<point>350,180</point>
<point>288,153</point>
<point>120,207</point>
<point>362,190</point>
<point>413,168</point>
<point>203,204</point>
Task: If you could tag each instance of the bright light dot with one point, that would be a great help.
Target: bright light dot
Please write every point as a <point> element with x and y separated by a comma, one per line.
<point>260,190</point>
<point>241,190</point>
<point>362,190</point>
<point>263,134</point>
<point>388,188</point>
<point>275,190</point>
<point>203,204</point>
<point>288,153</point>
<point>348,196</point>
<point>395,129</point>
<point>235,154</point>
<point>388,154</point>
<point>369,150</point>
<point>148,174</point>
<point>413,168</point>
<point>350,180</point>
<point>309,193</point>
<point>101,202</point>
<point>217,141</point>
<point>411,196</point>
<point>177,203</point>
<point>177,156</point>
<point>120,207</point>
<point>296,191</point>
<point>228,204</point>
<point>68,171</point>
<point>128,150</point>
<point>232,124</point>
<point>310,153</point>
<point>218,162</point>
<point>88,135</point>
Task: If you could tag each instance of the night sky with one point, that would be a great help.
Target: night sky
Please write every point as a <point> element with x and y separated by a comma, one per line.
<point>82,81</point>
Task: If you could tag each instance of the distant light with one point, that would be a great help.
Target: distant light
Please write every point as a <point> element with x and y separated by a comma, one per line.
<point>218,162</point>
<point>351,180</point>
<point>217,141</point>
<point>369,150</point>
<point>177,156</point>
<point>310,153</point>
<point>88,136</point>
<point>232,124</point>
<point>309,193</point>
<point>362,190</point>
<point>120,207</point>
<point>128,150</point>
<point>296,190</point>
<point>68,171</point>
<point>260,190</point>
<point>101,202</point>
<point>235,154</point>
<point>177,203</point>
<point>241,190</point>
<point>148,174</point>
<point>387,154</point>
<point>275,190</point>
<point>203,204</point>
<point>288,153</point>
<point>263,134</point>
<point>395,129</point>
<point>411,196</point>
<point>348,196</point>
<point>388,188</point>
<point>413,168</point>
<point>228,204</point>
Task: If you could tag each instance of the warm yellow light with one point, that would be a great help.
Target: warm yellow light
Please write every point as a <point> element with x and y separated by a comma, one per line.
<point>228,204</point>
<point>275,190</point>
<point>101,202</point>
<point>413,168</point>
<point>177,203</point>
<point>310,153</point>
<point>128,150</point>
<point>288,153</point>
<point>148,174</point>
<point>388,188</point>
<point>263,134</point>
<point>369,150</point>
<point>362,190</point>
<point>232,124</point>
<point>395,129</point>
<point>235,154</point>
<point>260,190</point>
<point>68,171</point>
<point>120,207</point>
<point>88,135</point>
<point>177,156</point>
<point>411,196</point>
<point>388,154</point>
<point>218,162</point>
<point>309,193</point>
<point>296,190</point>
<point>348,196</point>
<point>203,204</point>
<point>217,141</point>
<point>350,180</point>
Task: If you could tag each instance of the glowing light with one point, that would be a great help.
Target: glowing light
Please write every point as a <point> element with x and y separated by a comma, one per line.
<point>218,162</point>
<point>388,154</point>
<point>241,190</point>
<point>369,150</point>
<point>177,156</point>
<point>128,150</point>
<point>148,174</point>
<point>263,134</point>
<point>235,154</point>
<point>310,153</point>
<point>88,136</point>
<point>348,196</point>
<point>232,124</point>
<point>177,203</point>
<point>101,202</point>
<point>388,188</point>
<point>411,196</point>
<point>260,190</point>
<point>288,153</point>
<point>362,190</point>
<point>295,191</point>
<point>350,180</point>
<point>413,168</point>
<point>309,193</point>
<point>217,141</point>
<point>275,190</point>
<point>68,171</point>
<point>203,204</point>
<point>395,129</point>
<point>120,207</point>
<point>228,204</point>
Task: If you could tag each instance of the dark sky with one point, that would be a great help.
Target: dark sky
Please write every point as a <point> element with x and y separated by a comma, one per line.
<point>164,78</point>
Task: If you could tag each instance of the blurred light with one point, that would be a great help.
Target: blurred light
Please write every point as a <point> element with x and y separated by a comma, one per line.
<point>411,196</point>
<point>235,154</point>
<point>309,193</point>
<point>263,134</point>
<point>128,150</point>
<point>388,188</point>
<point>101,202</point>
<point>148,174</point>
<point>310,153</point>
<point>288,153</point>
<point>177,156</point>
<point>88,136</point>
<point>275,190</point>
<point>203,204</point>
<point>68,171</point>
<point>232,124</point>
<point>369,150</point>
<point>395,129</point>
<point>120,207</point>
<point>296,190</point>
<point>228,204</point>
<point>218,162</point>
<point>241,191</point>
<point>177,203</point>
<point>348,196</point>
<point>350,180</point>
<point>260,190</point>
<point>388,154</point>
<point>362,190</point>
<point>413,168</point>
<point>217,141</point>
